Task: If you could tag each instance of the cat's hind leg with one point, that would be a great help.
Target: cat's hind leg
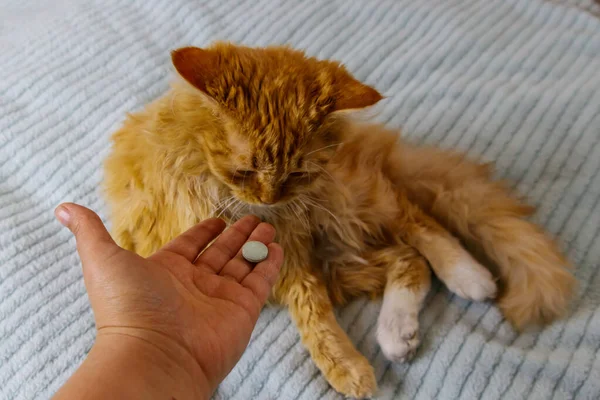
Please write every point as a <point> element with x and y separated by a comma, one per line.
<point>408,282</point>
<point>452,264</point>
<point>536,284</point>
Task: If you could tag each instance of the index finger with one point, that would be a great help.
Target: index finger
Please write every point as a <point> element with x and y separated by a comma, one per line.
<point>228,244</point>
<point>190,243</point>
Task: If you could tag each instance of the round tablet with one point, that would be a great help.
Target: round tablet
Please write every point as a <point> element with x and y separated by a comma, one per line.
<point>255,252</point>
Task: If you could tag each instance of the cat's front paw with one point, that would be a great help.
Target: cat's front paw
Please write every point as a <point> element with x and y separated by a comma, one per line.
<point>353,377</point>
<point>470,280</point>
<point>398,334</point>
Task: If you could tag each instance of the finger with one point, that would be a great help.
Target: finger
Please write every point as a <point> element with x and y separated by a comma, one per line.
<point>190,243</point>
<point>228,244</point>
<point>238,267</point>
<point>93,240</point>
<point>261,280</point>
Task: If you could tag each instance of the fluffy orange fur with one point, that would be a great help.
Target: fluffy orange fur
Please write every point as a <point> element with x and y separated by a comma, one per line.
<point>357,211</point>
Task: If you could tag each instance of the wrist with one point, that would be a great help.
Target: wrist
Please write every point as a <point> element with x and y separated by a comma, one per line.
<point>132,363</point>
<point>164,362</point>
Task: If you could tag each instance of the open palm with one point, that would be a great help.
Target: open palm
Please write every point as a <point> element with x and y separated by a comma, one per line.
<point>190,299</point>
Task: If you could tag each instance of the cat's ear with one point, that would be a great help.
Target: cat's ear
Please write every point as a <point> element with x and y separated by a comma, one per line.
<point>197,66</point>
<point>352,94</point>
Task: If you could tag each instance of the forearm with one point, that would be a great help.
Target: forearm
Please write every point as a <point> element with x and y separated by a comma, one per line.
<point>130,368</point>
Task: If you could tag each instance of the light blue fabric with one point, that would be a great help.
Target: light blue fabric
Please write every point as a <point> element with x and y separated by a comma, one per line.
<point>515,81</point>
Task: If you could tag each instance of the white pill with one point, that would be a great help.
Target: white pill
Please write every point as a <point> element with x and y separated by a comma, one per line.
<point>255,252</point>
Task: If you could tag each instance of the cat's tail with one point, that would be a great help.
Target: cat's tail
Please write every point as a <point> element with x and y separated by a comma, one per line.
<point>535,281</point>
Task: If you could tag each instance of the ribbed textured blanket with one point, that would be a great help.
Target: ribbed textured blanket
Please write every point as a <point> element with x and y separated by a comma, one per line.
<point>516,81</point>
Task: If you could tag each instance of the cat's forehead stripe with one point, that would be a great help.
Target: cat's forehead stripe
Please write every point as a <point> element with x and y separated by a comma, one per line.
<point>276,153</point>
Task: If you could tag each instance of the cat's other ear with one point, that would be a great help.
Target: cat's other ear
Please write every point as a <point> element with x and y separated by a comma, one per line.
<point>352,94</point>
<point>197,66</point>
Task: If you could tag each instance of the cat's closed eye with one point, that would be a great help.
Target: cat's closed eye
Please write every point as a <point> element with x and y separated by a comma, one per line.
<point>301,177</point>
<point>243,173</point>
<point>298,174</point>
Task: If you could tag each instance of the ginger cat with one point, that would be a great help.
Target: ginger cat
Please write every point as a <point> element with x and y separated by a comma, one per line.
<point>265,131</point>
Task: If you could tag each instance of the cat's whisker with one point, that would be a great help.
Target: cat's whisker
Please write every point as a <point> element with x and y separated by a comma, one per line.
<point>324,170</point>
<point>298,217</point>
<point>237,208</point>
<point>225,208</point>
<point>330,213</point>
<point>306,211</point>
<point>221,213</point>
<point>226,199</point>
<point>301,203</point>
<point>222,203</point>
<point>301,216</point>
<point>313,203</point>
<point>233,209</point>
<point>323,148</point>
<point>243,209</point>
<point>302,206</point>
<point>274,211</point>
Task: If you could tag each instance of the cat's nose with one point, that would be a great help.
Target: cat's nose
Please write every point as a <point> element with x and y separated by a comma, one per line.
<point>270,194</point>
<point>268,198</point>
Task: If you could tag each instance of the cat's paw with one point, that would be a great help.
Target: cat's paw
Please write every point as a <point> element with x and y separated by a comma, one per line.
<point>471,280</point>
<point>353,377</point>
<point>398,334</point>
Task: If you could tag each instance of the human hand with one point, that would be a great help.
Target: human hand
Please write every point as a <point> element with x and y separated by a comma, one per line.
<point>191,313</point>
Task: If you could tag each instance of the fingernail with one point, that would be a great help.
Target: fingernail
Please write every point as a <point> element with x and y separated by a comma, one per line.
<point>63,215</point>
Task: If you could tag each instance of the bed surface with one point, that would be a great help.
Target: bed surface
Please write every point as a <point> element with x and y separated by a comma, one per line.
<point>513,81</point>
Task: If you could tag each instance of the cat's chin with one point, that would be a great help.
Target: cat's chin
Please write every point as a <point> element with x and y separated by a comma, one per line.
<point>263,211</point>
<point>266,206</point>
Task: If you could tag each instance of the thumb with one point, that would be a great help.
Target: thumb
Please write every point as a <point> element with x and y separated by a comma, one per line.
<point>93,240</point>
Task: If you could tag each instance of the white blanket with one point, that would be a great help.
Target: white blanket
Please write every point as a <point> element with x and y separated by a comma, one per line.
<point>516,81</point>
